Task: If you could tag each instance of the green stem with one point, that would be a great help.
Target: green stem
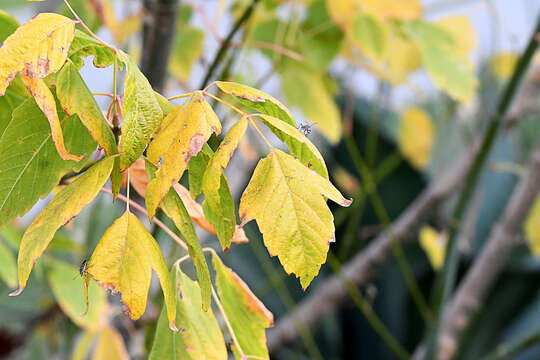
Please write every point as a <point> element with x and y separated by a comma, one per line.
<point>507,350</point>
<point>447,277</point>
<point>226,42</point>
<point>364,306</point>
<point>382,215</point>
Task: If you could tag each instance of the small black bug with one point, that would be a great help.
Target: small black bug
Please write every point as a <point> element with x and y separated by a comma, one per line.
<point>82,268</point>
<point>305,128</point>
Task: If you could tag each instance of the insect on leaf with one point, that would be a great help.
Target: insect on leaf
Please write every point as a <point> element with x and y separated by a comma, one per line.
<point>64,206</point>
<point>288,202</point>
<point>46,102</point>
<point>221,214</point>
<point>248,316</point>
<point>174,208</point>
<point>123,261</point>
<point>40,46</point>
<point>142,114</point>
<point>185,131</point>
<point>200,336</point>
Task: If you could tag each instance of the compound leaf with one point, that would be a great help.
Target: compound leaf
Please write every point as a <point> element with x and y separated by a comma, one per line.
<point>288,202</point>
<point>63,207</point>
<point>123,261</point>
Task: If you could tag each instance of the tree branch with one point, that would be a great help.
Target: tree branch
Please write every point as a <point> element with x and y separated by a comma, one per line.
<point>490,262</point>
<point>365,264</point>
<point>158,34</point>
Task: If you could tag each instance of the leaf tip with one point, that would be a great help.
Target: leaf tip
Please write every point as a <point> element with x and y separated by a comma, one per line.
<point>173,327</point>
<point>17,292</point>
<point>346,202</point>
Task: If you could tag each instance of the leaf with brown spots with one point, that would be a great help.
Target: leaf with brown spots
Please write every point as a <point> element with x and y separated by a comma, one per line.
<point>40,46</point>
<point>65,205</point>
<point>248,316</point>
<point>46,102</point>
<point>184,132</point>
<point>123,261</point>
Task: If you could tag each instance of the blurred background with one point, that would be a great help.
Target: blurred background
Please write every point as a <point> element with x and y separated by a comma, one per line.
<point>389,105</point>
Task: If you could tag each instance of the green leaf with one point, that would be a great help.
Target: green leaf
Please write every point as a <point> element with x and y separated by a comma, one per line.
<point>63,207</point>
<point>76,98</point>
<point>165,105</point>
<point>200,337</point>
<point>83,46</point>
<point>218,206</point>
<point>187,48</point>
<point>142,114</point>
<point>299,145</point>
<point>123,261</point>
<point>257,100</point>
<point>289,203</point>
<point>174,208</point>
<point>69,295</point>
<point>8,267</point>
<point>248,316</point>
<point>370,34</point>
<point>306,89</point>
<point>196,167</point>
<point>448,67</point>
<point>29,164</point>
<point>8,25</point>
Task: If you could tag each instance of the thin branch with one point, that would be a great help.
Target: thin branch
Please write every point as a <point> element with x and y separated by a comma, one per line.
<point>364,265</point>
<point>490,262</point>
<point>447,277</point>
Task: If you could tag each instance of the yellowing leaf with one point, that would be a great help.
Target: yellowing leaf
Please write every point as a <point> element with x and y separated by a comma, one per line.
<point>110,345</point>
<point>450,70</point>
<point>248,316</point>
<point>299,145</point>
<point>223,216</point>
<point>402,57</point>
<point>123,261</point>
<point>416,136</point>
<point>186,131</point>
<point>201,337</point>
<point>40,46</point>
<point>46,102</point>
<point>288,202</point>
<point>370,34</point>
<point>531,227</point>
<point>434,244</point>
<point>257,100</point>
<point>502,65</point>
<point>343,11</point>
<point>174,208</point>
<point>461,29</point>
<point>391,9</point>
<point>142,114</point>
<point>65,205</point>
<point>69,295</point>
<point>306,89</point>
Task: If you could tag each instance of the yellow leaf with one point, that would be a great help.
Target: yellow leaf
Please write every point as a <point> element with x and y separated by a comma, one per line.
<point>502,65</point>
<point>416,136</point>
<point>46,102</point>
<point>393,10</point>
<point>288,201</point>
<point>67,204</point>
<point>123,261</point>
<point>434,245</point>
<point>462,30</point>
<point>184,133</point>
<point>402,57</point>
<point>343,11</point>
<point>40,46</point>
<point>110,346</point>
<point>532,227</point>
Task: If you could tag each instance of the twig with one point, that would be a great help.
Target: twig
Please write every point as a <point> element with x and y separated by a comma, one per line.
<point>490,262</point>
<point>225,44</point>
<point>447,277</point>
<point>363,266</point>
